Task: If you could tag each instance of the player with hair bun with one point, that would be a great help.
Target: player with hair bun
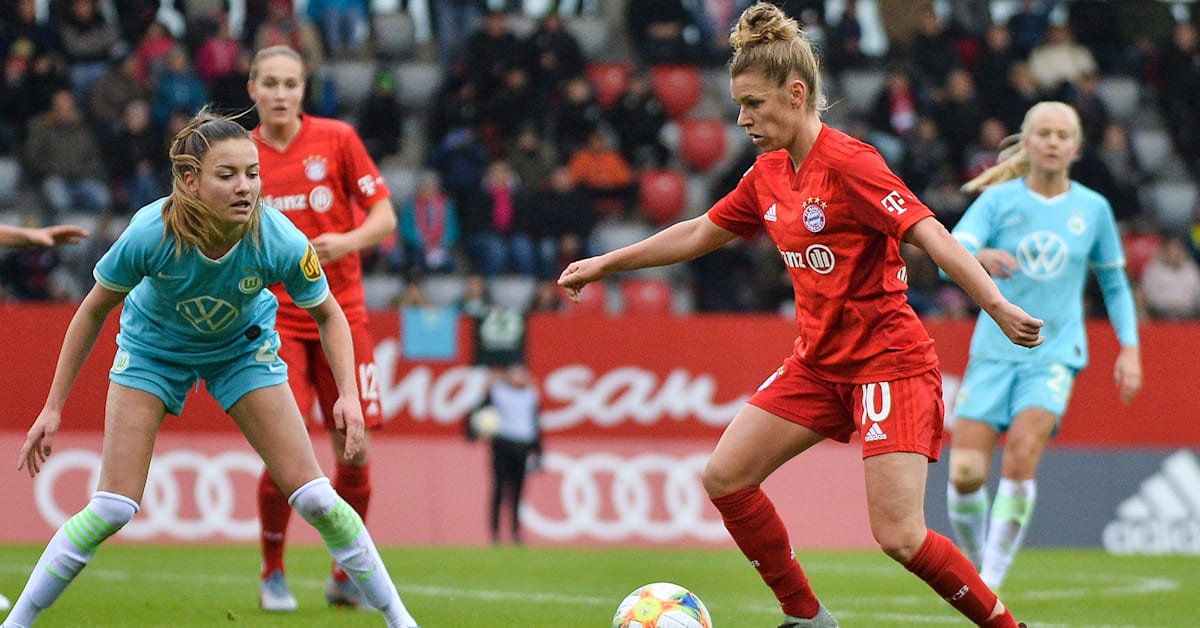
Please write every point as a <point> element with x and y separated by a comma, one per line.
<point>862,362</point>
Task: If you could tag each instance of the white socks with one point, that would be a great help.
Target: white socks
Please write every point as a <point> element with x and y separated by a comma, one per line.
<point>969,520</point>
<point>1011,513</point>
<point>348,541</point>
<point>68,552</point>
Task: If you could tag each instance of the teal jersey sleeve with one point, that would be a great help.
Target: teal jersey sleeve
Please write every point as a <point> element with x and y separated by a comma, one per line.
<point>1108,262</point>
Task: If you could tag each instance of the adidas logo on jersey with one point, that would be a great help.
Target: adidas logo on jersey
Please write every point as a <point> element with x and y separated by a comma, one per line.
<point>770,215</point>
<point>1163,517</point>
<point>874,434</point>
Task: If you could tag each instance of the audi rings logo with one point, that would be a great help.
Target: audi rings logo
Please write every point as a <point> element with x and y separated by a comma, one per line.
<point>163,509</point>
<point>605,496</point>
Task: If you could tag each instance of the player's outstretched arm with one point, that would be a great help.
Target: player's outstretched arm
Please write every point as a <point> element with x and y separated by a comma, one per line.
<point>966,271</point>
<point>44,236</point>
<point>339,349</point>
<point>680,242</point>
<point>77,344</point>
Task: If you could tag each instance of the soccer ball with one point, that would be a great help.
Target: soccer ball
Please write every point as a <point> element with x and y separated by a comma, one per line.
<point>485,422</point>
<point>4,603</point>
<point>662,605</point>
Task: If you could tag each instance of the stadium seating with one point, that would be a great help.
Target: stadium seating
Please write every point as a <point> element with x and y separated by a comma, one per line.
<point>353,79</point>
<point>592,33</point>
<point>1121,95</point>
<point>394,35</point>
<point>514,292</point>
<point>662,195</point>
<point>701,142</point>
<point>382,290</point>
<point>677,86</point>
<point>610,235</point>
<point>1173,203</point>
<point>646,295</point>
<point>443,289</point>
<point>608,79</point>
<point>1152,147</point>
<point>860,88</point>
<point>593,299</point>
<point>418,82</point>
<point>10,180</point>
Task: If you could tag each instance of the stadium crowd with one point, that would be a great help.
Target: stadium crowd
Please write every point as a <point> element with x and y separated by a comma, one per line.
<point>527,151</point>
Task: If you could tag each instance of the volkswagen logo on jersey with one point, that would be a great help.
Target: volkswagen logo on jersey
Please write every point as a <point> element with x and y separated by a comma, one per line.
<point>814,214</point>
<point>315,168</point>
<point>1043,255</point>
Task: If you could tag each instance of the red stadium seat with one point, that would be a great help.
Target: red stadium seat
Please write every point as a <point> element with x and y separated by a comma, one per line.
<point>593,299</point>
<point>662,195</point>
<point>608,80</point>
<point>678,87</point>
<point>643,295</point>
<point>701,142</point>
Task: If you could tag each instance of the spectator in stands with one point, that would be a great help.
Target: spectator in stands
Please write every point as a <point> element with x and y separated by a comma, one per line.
<point>1179,77</point>
<point>555,56</point>
<point>177,88</point>
<point>1084,95</point>
<point>563,219</point>
<point>1118,156</point>
<point>959,114</point>
<point>220,61</point>
<point>381,119</point>
<point>1059,61</point>
<point>845,41</point>
<point>137,157</point>
<point>1028,25</point>
<point>429,231</point>
<point>21,32</point>
<point>152,50</point>
<point>663,31</point>
<point>16,107</point>
<point>113,91</point>
<point>981,154</point>
<point>638,117</point>
<point>456,106</point>
<point>474,300</point>
<point>491,50</point>
<point>897,106</point>
<point>603,175</point>
<point>456,20</point>
<point>62,153</point>
<point>992,66</point>
<point>1029,196</point>
<point>48,74</point>
<point>496,225</point>
<point>547,299</point>
<point>343,25</point>
<point>460,160</point>
<point>1019,93</point>
<point>575,117</point>
<point>1171,281</point>
<point>282,28</point>
<point>531,158</point>
<point>87,37</point>
<point>932,53</point>
<point>512,106</point>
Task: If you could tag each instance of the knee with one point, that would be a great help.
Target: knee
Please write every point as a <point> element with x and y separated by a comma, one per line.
<point>315,500</point>
<point>719,480</point>
<point>116,510</point>
<point>901,544</point>
<point>968,470</point>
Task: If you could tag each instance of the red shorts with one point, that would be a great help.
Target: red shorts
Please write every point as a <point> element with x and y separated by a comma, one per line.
<point>900,415</point>
<point>312,381</point>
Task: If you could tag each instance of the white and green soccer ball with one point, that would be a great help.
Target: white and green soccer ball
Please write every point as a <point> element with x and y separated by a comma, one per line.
<point>485,422</point>
<point>661,605</point>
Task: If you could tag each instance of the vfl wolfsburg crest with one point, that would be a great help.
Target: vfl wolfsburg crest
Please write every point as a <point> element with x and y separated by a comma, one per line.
<point>250,284</point>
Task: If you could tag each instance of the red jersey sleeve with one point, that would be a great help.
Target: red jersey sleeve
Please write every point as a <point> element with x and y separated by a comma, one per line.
<point>363,182</point>
<point>887,203</point>
<point>738,211</point>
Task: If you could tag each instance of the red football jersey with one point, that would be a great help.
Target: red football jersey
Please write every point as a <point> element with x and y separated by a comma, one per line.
<point>837,223</point>
<point>323,182</point>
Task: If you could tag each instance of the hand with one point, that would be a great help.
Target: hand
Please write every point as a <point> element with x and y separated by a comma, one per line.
<point>348,418</point>
<point>997,263</point>
<point>1128,373</point>
<point>56,235</point>
<point>1021,328</point>
<point>332,247</point>
<point>579,274</point>
<point>38,441</point>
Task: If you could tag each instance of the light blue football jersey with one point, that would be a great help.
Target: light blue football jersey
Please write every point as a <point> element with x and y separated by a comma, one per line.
<point>194,308</point>
<point>1055,242</point>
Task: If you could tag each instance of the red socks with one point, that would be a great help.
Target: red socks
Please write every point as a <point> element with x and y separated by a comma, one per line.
<point>754,525</point>
<point>945,569</point>
<point>354,486</point>
<point>273,514</point>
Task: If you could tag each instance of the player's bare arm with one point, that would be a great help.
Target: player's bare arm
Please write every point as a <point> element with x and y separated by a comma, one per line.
<point>1128,372</point>
<point>680,242</point>
<point>967,272</point>
<point>77,344</point>
<point>378,224</point>
<point>339,348</point>
<point>45,236</point>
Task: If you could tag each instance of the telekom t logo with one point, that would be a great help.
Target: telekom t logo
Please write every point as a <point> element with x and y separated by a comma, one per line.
<point>893,202</point>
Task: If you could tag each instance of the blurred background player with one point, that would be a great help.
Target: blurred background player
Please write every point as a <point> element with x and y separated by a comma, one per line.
<point>318,173</point>
<point>1036,232</point>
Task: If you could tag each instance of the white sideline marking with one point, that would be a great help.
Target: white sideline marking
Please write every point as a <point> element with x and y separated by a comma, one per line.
<point>1112,585</point>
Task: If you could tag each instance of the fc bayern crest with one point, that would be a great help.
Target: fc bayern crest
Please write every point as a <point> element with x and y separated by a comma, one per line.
<point>814,214</point>
<point>315,168</point>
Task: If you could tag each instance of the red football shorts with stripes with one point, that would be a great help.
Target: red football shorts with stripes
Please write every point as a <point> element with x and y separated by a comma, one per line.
<point>312,380</point>
<point>900,415</point>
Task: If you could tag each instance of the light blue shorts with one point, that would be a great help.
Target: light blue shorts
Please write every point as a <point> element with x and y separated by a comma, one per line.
<point>256,366</point>
<point>995,391</point>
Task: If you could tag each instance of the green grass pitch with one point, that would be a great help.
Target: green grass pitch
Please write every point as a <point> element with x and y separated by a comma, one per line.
<point>178,586</point>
